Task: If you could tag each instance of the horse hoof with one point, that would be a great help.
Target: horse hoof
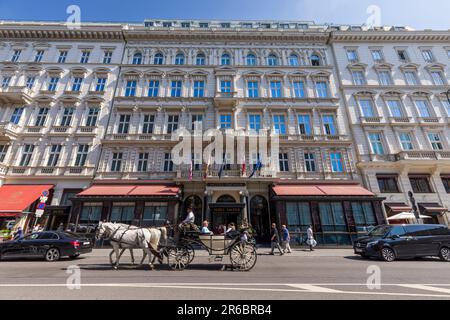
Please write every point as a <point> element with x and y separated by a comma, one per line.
<point>115,268</point>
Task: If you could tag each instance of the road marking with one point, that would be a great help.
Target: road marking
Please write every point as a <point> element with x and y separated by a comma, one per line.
<point>426,288</point>
<point>313,288</point>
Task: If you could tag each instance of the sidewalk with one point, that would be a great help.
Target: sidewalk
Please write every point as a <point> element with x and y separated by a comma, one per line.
<point>296,252</point>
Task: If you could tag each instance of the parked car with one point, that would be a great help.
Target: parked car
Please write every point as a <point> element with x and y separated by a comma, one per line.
<point>390,242</point>
<point>49,245</point>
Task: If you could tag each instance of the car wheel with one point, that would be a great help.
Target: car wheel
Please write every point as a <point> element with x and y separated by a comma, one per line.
<point>387,254</point>
<point>74,256</point>
<point>444,254</point>
<point>52,254</point>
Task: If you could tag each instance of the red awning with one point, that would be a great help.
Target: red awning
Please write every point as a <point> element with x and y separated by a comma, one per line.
<point>321,190</point>
<point>9,214</point>
<point>14,199</point>
<point>398,207</point>
<point>130,190</point>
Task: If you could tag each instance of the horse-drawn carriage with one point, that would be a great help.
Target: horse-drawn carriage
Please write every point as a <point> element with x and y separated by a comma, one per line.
<point>180,250</point>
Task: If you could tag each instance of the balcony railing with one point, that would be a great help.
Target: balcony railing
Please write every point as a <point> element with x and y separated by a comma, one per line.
<point>16,94</point>
<point>139,136</point>
<point>423,155</point>
<point>429,120</point>
<point>371,120</point>
<point>399,120</point>
<point>9,129</point>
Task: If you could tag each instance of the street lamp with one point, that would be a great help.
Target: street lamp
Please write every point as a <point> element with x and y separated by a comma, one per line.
<point>414,207</point>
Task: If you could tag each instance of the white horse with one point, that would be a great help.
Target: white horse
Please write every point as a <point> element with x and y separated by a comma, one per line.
<point>130,237</point>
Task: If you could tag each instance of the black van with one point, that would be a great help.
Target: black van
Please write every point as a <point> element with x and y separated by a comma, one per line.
<point>390,242</point>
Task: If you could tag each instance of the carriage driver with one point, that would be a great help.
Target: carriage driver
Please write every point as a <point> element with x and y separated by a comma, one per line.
<point>189,222</point>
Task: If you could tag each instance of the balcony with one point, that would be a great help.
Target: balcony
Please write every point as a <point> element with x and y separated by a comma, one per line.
<point>9,129</point>
<point>423,155</point>
<point>430,121</point>
<point>371,120</point>
<point>400,120</point>
<point>225,99</point>
<point>86,130</point>
<point>136,137</point>
<point>284,138</point>
<point>61,129</point>
<point>16,95</point>
<point>79,171</point>
<point>147,175</point>
<point>34,129</point>
<point>3,169</point>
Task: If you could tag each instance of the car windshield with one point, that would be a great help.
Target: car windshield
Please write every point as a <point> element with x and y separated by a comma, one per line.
<point>380,231</point>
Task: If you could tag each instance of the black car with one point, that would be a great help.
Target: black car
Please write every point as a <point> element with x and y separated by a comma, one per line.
<point>390,242</point>
<point>51,245</point>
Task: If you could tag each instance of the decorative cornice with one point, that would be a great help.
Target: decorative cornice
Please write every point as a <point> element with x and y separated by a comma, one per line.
<point>395,36</point>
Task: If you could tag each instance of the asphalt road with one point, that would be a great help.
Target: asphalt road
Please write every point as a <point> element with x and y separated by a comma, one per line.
<point>324,274</point>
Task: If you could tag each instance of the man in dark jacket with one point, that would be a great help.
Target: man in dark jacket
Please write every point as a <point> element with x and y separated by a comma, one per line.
<point>275,239</point>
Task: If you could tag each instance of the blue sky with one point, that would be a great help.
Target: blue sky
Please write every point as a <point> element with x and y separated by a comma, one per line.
<point>419,14</point>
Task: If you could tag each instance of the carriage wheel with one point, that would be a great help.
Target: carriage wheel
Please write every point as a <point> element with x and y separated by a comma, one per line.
<point>178,258</point>
<point>243,256</point>
<point>191,252</point>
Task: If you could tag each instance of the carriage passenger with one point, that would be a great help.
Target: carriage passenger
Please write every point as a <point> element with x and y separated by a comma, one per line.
<point>205,229</point>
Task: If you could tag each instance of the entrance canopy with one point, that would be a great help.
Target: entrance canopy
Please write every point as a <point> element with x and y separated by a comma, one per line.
<point>320,190</point>
<point>14,199</point>
<point>406,216</point>
<point>398,207</point>
<point>433,209</point>
<point>129,190</point>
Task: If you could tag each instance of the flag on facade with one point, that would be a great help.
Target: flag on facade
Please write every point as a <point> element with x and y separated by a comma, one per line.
<point>222,167</point>
<point>256,167</point>
<point>191,169</point>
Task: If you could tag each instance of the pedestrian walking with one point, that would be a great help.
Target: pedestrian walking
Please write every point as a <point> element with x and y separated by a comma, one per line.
<point>275,240</point>
<point>311,242</point>
<point>19,234</point>
<point>286,238</point>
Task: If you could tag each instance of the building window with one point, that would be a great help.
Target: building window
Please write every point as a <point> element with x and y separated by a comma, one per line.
<point>437,77</point>
<point>293,60</point>
<point>137,58</point>
<point>185,25</point>
<point>298,215</point>
<point>62,56</point>
<point>200,60</point>
<point>251,59</point>
<point>363,215</point>
<point>279,124</point>
<point>107,57</point>
<point>366,106</point>
<point>42,117</point>
<point>124,123</point>
<point>254,122</point>
<point>39,55</point>
<point>27,153</point>
<point>225,25</point>
<point>66,119</point>
<point>336,162</point>
<point>76,85</point>
<point>446,105</point>
<point>17,114</point>
<point>225,86</point>
<point>85,56</point>
<point>388,184</point>
<point>167,24</point>
<point>385,78</point>
<point>153,88</point>
<point>82,153</point>
<point>225,121</point>
<point>395,108</point>
<point>275,89</point>
<point>299,89</point>
<point>377,56</point>
<point>172,123</point>
<point>284,162</point>
<point>420,184</point>
<point>358,78</point>
<point>427,56</point>
<point>100,86</point>
<point>197,121</point>
<point>5,82</point>
<point>332,217</point>
<point>272,60</point>
<point>376,143</point>
<point>130,89</point>
<point>435,140</point>
<point>16,55</point>
<point>30,82</point>
<point>304,124</point>
<point>149,122</point>
<point>142,162</point>
<point>91,120</point>
<point>3,152</point>
<point>402,55</point>
<point>91,213</point>
<point>321,89</point>
<point>405,141</point>
<point>176,88</point>
<point>352,56</point>
<point>310,162</point>
<point>203,25</point>
<point>315,60</point>
<point>179,59</point>
<point>411,78</point>
<point>225,60</point>
<point>122,213</point>
<point>252,89</point>
<point>446,183</point>
<point>329,126</point>
<point>168,164</point>
<point>423,109</point>
<point>155,214</point>
<point>53,158</point>
<point>52,86</point>
<point>158,59</point>
<point>116,163</point>
<point>199,89</point>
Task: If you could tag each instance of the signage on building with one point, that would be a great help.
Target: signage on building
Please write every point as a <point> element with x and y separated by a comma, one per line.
<point>41,206</point>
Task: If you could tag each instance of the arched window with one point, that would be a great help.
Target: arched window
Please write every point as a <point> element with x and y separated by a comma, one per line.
<point>293,60</point>
<point>137,58</point>
<point>315,60</point>
<point>225,60</point>
<point>159,58</point>
<point>200,60</point>
<point>226,198</point>
<point>272,60</point>
<point>179,59</point>
<point>251,59</point>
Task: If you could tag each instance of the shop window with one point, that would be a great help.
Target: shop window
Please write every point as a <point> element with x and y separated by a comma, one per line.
<point>363,215</point>
<point>332,217</point>
<point>122,213</point>
<point>298,215</point>
<point>155,214</point>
